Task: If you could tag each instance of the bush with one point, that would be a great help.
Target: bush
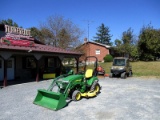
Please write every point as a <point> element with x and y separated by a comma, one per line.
<point>108,58</point>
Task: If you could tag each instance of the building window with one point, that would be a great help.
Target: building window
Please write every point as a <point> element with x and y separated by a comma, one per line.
<point>9,64</point>
<point>97,52</point>
<point>30,62</point>
<point>50,62</point>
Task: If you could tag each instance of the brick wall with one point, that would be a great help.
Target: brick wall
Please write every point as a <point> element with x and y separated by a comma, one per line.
<point>89,49</point>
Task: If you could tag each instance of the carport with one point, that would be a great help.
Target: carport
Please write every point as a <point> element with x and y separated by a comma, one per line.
<point>23,57</point>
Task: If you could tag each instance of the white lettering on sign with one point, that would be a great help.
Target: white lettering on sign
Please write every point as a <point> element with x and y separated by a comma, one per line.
<point>16,30</point>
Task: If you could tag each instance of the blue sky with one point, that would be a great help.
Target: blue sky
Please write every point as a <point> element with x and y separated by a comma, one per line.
<point>118,15</point>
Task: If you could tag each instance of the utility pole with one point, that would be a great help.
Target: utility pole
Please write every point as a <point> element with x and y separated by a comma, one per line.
<point>88,23</point>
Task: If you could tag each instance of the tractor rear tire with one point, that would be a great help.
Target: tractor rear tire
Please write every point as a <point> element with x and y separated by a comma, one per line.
<point>76,95</point>
<point>95,87</point>
<point>130,74</point>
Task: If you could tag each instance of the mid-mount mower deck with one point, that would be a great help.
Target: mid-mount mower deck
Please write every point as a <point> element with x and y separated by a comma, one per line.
<point>69,86</point>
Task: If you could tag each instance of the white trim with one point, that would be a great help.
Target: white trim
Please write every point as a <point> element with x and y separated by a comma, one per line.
<point>107,46</point>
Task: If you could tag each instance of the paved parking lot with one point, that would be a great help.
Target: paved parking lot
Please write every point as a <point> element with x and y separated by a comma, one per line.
<point>134,98</point>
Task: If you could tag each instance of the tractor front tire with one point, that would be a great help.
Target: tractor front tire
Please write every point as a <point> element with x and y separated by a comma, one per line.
<point>76,95</point>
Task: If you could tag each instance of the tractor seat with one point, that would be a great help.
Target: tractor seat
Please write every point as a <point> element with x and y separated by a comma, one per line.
<point>88,73</point>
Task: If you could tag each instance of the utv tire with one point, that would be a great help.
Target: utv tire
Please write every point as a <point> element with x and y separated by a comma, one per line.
<point>123,75</point>
<point>76,95</point>
<point>95,87</point>
<point>130,74</point>
<point>110,75</point>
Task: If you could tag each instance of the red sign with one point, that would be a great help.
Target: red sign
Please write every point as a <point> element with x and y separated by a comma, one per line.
<point>10,41</point>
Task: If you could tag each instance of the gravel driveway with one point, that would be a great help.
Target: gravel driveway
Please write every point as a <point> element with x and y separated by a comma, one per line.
<point>134,98</point>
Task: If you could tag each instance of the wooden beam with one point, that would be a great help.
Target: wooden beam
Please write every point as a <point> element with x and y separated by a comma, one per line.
<point>37,66</point>
<point>38,57</point>
<point>5,74</point>
<point>77,64</point>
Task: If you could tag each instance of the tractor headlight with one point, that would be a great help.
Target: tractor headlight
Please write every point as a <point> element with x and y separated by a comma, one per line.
<point>61,86</point>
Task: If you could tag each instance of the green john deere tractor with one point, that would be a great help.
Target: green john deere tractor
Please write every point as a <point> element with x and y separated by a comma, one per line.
<point>69,86</point>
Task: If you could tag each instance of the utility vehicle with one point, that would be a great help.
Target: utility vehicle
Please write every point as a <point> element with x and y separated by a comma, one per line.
<point>121,67</point>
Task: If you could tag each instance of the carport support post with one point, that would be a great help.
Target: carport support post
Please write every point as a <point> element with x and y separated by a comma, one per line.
<point>5,73</point>
<point>77,63</point>
<point>37,76</point>
<point>38,57</point>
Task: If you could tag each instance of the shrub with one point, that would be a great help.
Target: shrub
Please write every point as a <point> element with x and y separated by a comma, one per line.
<point>108,58</point>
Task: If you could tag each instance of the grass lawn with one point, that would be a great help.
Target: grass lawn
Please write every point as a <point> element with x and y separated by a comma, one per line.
<point>139,68</point>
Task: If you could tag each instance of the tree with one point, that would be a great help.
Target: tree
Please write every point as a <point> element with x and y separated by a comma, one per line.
<point>134,54</point>
<point>35,32</point>
<point>127,45</point>
<point>43,35</point>
<point>9,22</point>
<point>63,36</point>
<point>149,43</point>
<point>108,58</point>
<point>103,36</point>
<point>119,50</point>
<point>127,39</point>
<point>59,32</point>
<point>127,36</point>
<point>118,42</point>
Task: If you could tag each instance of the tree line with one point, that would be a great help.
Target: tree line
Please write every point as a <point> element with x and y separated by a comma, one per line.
<point>145,47</point>
<point>63,33</point>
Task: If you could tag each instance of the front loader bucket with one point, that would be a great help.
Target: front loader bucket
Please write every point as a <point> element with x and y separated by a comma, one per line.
<point>49,99</point>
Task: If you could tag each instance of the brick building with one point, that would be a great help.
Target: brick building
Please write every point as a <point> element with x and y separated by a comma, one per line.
<point>91,48</point>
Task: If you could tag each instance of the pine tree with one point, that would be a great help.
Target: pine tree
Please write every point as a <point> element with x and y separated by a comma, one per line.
<point>9,22</point>
<point>103,36</point>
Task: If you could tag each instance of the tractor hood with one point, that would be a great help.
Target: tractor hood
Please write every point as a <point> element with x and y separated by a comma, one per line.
<point>73,77</point>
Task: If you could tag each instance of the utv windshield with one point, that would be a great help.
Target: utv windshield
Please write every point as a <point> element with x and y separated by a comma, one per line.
<point>119,62</point>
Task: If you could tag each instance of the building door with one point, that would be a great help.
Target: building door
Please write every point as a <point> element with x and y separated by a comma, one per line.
<point>10,69</point>
<point>1,69</point>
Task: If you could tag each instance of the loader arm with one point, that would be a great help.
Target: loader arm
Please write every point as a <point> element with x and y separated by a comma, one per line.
<point>53,83</point>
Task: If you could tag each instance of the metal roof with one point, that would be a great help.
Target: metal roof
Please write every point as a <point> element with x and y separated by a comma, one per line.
<point>93,42</point>
<point>37,48</point>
